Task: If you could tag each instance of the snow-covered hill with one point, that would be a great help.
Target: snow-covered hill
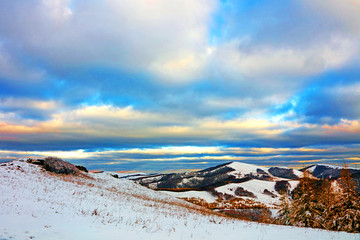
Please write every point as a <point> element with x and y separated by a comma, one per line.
<point>234,179</point>
<point>36,204</point>
<point>261,191</point>
<point>244,169</point>
<point>209,178</point>
<point>323,171</point>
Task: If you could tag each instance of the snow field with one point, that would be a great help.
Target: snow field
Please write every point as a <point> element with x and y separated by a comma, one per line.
<point>39,205</point>
<point>257,187</point>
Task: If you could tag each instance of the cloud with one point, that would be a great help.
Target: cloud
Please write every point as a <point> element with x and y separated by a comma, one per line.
<point>12,68</point>
<point>266,49</point>
<point>270,66</point>
<point>104,126</point>
<point>153,36</point>
<point>327,104</point>
<point>28,108</point>
<point>188,157</point>
<point>100,50</point>
<point>345,126</point>
<point>115,123</point>
<point>344,11</point>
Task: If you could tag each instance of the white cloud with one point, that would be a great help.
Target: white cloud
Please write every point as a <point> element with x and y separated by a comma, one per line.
<point>167,38</point>
<point>26,103</point>
<point>345,11</point>
<point>58,10</point>
<point>182,68</point>
<point>266,61</point>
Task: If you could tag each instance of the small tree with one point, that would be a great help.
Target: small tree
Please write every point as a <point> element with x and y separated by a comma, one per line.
<point>284,217</point>
<point>307,208</point>
<point>344,214</point>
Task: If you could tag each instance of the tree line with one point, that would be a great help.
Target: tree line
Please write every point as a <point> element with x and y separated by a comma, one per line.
<point>326,204</point>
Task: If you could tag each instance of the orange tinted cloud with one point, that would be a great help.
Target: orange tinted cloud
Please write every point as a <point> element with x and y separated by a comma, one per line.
<point>6,128</point>
<point>345,126</point>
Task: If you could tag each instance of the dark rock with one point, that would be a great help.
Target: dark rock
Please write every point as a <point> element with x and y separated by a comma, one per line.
<point>115,175</point>
<point>260,171</point>
<point>81,168</point>
<point>267,192</point>
<point>244,193</point>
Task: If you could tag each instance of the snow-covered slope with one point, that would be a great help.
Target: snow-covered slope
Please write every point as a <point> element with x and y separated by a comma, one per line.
<point>40,205</point>
<point>215,183</point>
<point>244,169</point>
<point>261,191</point>
<point>323,171</point>
<point>216,176</point>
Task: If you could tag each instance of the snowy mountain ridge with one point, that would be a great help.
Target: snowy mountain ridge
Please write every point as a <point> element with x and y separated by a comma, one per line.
<point>237,180</point>
<point>240,180</point>
<point>325,171</point>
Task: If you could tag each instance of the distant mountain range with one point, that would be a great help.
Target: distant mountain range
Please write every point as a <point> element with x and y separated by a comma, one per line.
<point>237,180</point>
<point>210,178</point>
<point>324,171</point>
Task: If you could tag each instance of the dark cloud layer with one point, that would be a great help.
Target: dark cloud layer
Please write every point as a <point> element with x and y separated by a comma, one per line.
<point>97,75</point>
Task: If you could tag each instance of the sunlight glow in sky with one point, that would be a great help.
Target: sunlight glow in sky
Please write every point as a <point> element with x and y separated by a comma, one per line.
<point>157,85</point>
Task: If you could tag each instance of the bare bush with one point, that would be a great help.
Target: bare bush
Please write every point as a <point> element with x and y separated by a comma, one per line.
<point>56,165</point>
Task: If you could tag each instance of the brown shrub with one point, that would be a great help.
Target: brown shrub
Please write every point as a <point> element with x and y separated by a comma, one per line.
<point>251,214</point>
<point>58,166</point>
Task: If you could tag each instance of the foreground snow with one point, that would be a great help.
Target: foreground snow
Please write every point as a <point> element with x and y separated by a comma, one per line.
<point>39,205</point>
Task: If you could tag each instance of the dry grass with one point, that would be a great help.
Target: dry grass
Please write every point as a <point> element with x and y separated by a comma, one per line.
<point>233,203</point>
<point>179,209</point>
<point>230,208</point>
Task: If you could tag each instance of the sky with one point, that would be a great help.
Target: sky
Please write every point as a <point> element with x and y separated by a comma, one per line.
<point>158,85</point>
